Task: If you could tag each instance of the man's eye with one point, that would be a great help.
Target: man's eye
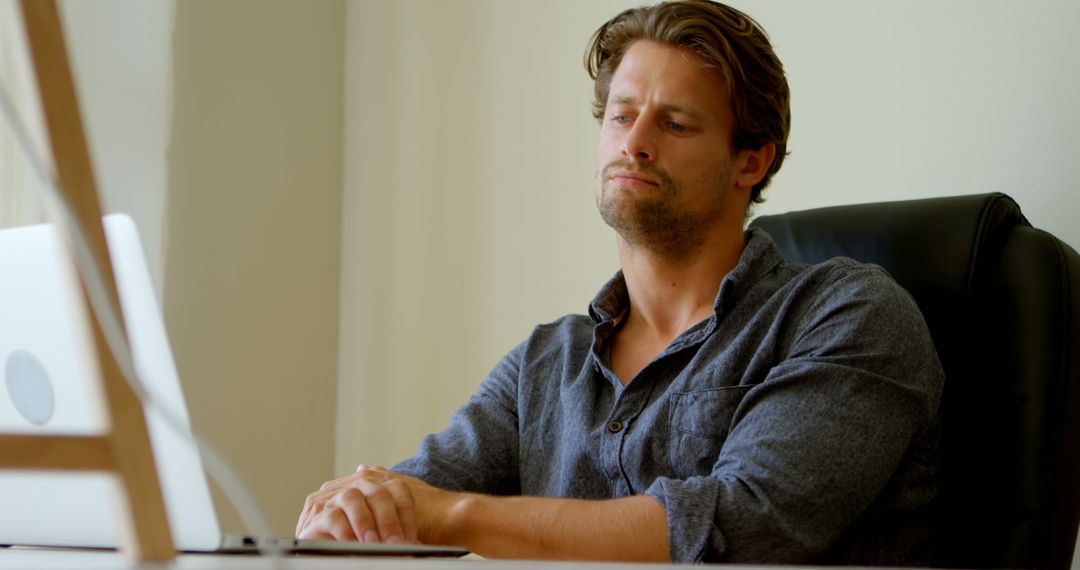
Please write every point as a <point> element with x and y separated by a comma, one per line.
<point>620,118</point>
<point>677,127</point>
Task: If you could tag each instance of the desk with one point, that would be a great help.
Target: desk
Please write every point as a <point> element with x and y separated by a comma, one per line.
<point>54,559</point>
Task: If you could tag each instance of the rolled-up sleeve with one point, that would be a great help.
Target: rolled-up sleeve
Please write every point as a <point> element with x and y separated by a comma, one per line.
<point>478,451</point>
<point>811,447</point>
<point>691,507</point>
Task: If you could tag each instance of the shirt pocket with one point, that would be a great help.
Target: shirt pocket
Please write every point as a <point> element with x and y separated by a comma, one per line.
<point>700,422</point>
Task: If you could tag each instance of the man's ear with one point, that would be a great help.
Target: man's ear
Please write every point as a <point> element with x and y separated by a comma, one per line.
<point>753,164</point>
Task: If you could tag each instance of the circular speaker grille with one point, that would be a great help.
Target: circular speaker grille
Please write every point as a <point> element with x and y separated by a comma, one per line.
<point>29,387</point>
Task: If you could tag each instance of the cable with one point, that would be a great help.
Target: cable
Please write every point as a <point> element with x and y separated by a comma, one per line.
<point>108,316</point>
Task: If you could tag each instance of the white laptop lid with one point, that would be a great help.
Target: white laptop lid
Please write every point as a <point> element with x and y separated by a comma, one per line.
<point>49,372</point>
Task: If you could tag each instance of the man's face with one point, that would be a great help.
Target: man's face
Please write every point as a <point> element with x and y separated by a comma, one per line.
<point>664,159</point>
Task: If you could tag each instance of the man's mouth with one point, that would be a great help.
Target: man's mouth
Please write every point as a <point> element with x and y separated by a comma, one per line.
<point>632,178</point>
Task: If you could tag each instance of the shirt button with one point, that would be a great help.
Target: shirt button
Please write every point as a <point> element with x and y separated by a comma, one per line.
<point>615,426</point>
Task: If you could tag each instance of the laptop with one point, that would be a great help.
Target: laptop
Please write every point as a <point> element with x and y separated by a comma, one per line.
<point>50,378</point>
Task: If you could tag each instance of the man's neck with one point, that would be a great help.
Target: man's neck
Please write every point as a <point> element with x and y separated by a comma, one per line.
<point>668,295</point>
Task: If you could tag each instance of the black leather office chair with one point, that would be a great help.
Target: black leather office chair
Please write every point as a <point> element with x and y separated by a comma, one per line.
<point>1002,300</point>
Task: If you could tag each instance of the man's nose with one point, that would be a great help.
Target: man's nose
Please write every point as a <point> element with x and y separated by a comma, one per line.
<point>639,144</point>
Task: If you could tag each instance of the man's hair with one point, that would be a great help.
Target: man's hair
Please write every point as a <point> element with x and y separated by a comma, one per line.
<point>726,40</point>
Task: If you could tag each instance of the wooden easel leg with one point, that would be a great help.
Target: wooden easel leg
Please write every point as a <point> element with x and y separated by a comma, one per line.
<point>130,458</point>
<point>146,533</point>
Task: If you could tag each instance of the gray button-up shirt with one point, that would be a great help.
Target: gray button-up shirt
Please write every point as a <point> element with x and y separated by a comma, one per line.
<point>796,424</point>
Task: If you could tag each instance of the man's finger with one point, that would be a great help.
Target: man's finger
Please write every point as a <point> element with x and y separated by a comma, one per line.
<point>317,500</point>
<point>330,523</point>
<point>313,505</point>
<point>406,507</point>
<point>384,509</point>
<point>359,513</point>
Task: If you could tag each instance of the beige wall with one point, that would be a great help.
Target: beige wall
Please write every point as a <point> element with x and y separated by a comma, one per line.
<point>253,233</point>
<point>468,215</point>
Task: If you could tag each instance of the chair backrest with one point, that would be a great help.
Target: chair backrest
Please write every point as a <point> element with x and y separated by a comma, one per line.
<point>1002,300</point>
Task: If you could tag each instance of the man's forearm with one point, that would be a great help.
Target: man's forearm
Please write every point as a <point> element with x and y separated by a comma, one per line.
<point>630,528</point>
<point>377,505</point>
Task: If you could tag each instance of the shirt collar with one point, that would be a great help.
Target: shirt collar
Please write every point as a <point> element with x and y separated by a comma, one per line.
<point>612,300</point>
<point>760,256</point>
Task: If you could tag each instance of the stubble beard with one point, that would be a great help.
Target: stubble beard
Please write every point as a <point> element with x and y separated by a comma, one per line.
<point>652,220</point>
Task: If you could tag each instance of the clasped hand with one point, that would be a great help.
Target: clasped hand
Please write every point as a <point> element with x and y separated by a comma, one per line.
<point>373,504</point>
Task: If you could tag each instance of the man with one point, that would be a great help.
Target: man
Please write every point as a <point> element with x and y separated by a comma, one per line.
<point>718,403</point>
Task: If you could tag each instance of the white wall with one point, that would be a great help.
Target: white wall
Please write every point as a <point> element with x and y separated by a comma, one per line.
<point>906,100</point>
<point>468,213</point>
<point>122,62</point>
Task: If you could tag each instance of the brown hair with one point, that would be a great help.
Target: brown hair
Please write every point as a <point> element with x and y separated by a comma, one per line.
<point>726,40</point>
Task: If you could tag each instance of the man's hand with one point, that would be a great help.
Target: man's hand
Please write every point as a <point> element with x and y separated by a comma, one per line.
<point>375,505</point>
